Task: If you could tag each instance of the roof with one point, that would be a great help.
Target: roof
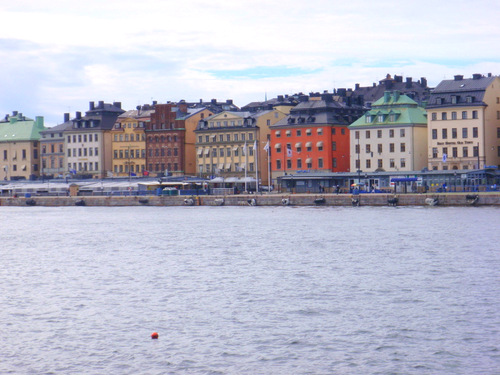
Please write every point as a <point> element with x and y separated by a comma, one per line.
<point>21,128</point>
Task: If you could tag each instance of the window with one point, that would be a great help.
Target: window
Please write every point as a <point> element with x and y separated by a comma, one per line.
<point>320,163</point>
<point>453,99</point>
<point>445,151</point>
<point>299,163</point>
<point>369,119</point>
<point>391,147</point>
<point>4,154</point>
<point>379,133</point>
<point>434,152</point>
<point>453,115</point>
<point>278,164</point>
<point>403,147</point>
<point>299,133</point>
<point>498,132</point>
<point>228,151</point>
<point>356,134</point>
<point>342,131</point>
<point>475,151</point>
<point>391,163</point>
<point>334,160</point>
<point>380,163</point>
<point>379,148</point>
<point>403,162</point>
<point>444,116</point>
<point>434,133</point>
<point>221,152</point>
<point>475,132</point>
<point>320,131</point>
<point>391,133</point>
<point>200,139</point>
<point>464,115</point>
<point>444,133</point>
<point>454,133</point>
<point>474,114</point>
<point>357,164</point>
<point>368,163</point>
<point>454,151</point>
<point>402,133</point>
<point>468,99</point>
<point>228,137</point>
<point>464,132</point>
<point>333,132</point>
<point>367,134</point>
<point>498,114</point>
<point>356,148</point>
<point>434,116</point>
<point>465,152</point>
<point>380,118</point>
<point>368,148</point>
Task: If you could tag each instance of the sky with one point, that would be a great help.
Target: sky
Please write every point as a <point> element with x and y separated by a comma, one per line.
<point>57,55</point>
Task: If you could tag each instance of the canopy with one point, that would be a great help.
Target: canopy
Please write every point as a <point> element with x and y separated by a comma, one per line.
<point>403,179</point>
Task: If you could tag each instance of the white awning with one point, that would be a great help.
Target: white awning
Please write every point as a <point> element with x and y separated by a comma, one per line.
<point>200,151</point>
<point>277,132</point>
<point>207,151</point>
<point>308,131</point>
<point>309,160</point>
<point>227,166</point>
<point>221,165</point>
<point>277,145</point>
<point>298,144</point>
<point>235,148</point>
<point>23,167</point>
<point>319,130</point>
<point>309,144</point>
<point>288,132</point>
<point>319,144</point>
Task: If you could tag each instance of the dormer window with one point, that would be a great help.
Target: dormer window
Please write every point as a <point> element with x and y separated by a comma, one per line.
<point>469,99</point>
<point>392,117</point>
<point>439,101</point>
<point>380,118</point>
<point>369,119</point>
<point>454,99</point>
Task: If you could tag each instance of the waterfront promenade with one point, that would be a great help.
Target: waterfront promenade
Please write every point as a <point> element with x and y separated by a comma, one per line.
<point>439,199</point>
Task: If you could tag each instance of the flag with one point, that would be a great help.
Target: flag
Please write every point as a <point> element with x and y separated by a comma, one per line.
<point>266,147</point>
<point>444,158</point>
<point>72,171</point>
<point>289,152</point>
<point>132,174</point>
<point>245,148</point>
<point>255,145</point>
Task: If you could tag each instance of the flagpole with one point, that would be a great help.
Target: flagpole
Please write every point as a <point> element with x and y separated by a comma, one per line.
<point>268,169</point>
<point>256,157</point>
<point>246,157</point>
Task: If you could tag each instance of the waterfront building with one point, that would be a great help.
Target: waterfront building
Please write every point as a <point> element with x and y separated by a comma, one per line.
<point>221,141</point>
<point>20,146</point>
<point>170,138</point>
<point>391,136</point>
<point>88,141</point>
<point>52,145</point>
<point>129,142</point>
<point>315,135</point>
<point>464,123</point>
<point>416,90</point>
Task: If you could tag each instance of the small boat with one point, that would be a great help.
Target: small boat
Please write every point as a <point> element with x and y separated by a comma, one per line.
<point>392,201</point>
<point>252,202</point>
<point>80,202</point>
<point>432,201</point>
<point>30,202</point>
<point>219,201</point>
<point>189,202</point>
<point>143,201</point>
<point>320,200</point>
<point>285,201</point>
<point>471,198</point>
<point>355,202</point>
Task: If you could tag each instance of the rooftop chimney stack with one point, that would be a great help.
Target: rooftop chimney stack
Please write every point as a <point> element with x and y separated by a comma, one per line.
<point>91,106</point>
<point>66,117</point>
<point>458,77</point>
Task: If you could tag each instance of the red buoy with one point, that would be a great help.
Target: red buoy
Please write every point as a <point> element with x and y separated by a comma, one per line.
<point>154,335</point>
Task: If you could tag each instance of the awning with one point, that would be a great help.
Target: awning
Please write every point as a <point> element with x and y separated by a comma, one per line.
<point>235,148</point>
<point>309,160</point>
<point>288,132</point>
<point>207,151</point>
<point>217,179</point>
<point>403,179</point>
<point>232,179</point>
<point>298,144</point>
<point>277,133</point>
<point>227,166</point>
<point>200,151</point>
<point>308,131</point>
<point>309,144</point>
<point>319,144</point>
<point>277,145</point>
<point>319,130</point>
<point>221,165</point>
<point>23,167</point>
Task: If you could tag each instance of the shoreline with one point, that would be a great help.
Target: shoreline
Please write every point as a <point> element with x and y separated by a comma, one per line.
<point>368,199</point>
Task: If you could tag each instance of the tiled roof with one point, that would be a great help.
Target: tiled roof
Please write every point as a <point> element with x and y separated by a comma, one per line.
<point>19,128</point>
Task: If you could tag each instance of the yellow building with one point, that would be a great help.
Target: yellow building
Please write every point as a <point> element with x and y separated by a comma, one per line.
<point>464,123</point>
<point>129,142</point>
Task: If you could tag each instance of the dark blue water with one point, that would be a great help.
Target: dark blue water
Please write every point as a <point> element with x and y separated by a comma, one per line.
<point>249,290</point>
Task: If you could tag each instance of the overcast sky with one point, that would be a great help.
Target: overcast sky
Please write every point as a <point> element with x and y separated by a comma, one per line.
<point>57,55</point>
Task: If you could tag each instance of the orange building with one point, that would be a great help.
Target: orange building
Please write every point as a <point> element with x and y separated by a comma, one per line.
<point>314,137</point>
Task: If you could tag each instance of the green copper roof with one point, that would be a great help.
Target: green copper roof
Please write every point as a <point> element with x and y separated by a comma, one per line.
<point>20,128</point>
<point>393,109</point>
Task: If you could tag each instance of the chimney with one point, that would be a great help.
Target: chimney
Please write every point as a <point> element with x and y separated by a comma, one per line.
<point>327,97</point>
<point>489,74</point>
<point>229,101</point>
<point>423,82</point>
<point>78,115</point>
<point>66,117</point>
<point>91,106</point>
<point>280,98</point>
<point>408,82</point>
<point>396,95</point>
<point>115,104</point>
<point>374,84</point>
<point>341,92</point>
<point>154,102</point>
<point>398,78</point>
<point>356,86</point>
<point>39,121</point>
<point>458,77</point>
<point>477,76</point>
<point>387,96</point>
<point>201,101</point>
<point>14,113</point>
<point>214,101</point>
<point>138,110</point>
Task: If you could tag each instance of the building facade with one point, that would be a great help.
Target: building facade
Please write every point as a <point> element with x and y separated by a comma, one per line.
<point>464,123</point>
<point>20,146</point>
<point>392,136</point>
<point>221,141</point>
<point>129,142</point>
<point>53,155</point>
<point>88,141</point>
<point>314,136</point>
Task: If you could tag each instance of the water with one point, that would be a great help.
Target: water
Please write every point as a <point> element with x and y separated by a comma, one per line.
<point>250,290</point>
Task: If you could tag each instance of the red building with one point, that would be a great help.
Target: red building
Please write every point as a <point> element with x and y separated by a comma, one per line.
<point>315,136</point>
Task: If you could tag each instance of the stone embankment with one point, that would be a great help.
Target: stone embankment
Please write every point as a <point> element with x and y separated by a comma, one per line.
<point>442,199</point>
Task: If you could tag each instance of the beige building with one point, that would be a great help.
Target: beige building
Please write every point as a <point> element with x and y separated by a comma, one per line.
<point>129,142</point>
<point>392,136</point>
<point>20,146</point>
<point>464,123</point>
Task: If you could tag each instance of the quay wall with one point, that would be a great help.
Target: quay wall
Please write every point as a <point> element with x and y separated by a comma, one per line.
<point>442,199</point>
